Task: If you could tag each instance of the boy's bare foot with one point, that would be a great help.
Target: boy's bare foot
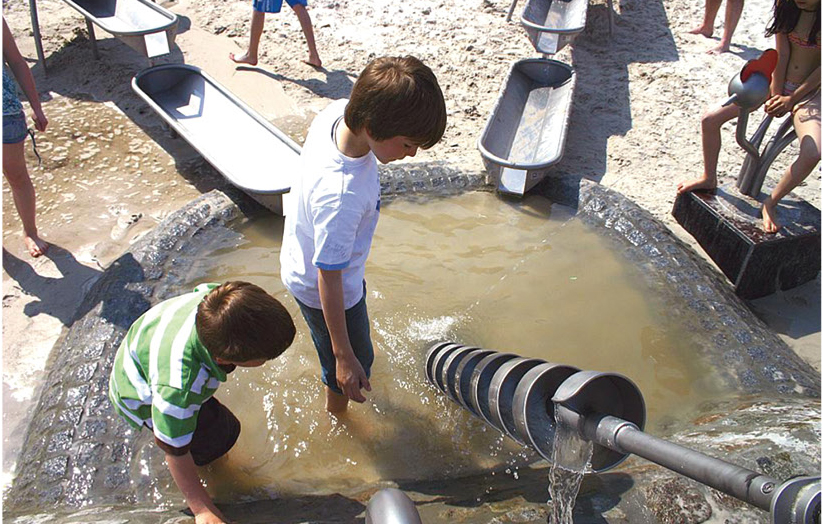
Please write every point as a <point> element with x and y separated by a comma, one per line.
<point>769,223</point>
<point>314,61</point>
<point>244,58</point>
<point>693,185</point>
<point>718,50</point>
<point>702,30</point>
<point>36,245</point>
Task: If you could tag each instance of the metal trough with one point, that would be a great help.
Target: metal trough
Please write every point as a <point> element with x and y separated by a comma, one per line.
<point>553,24</point>
<point>249,151</point>
<point>525,133</point>
<point>141,24</point>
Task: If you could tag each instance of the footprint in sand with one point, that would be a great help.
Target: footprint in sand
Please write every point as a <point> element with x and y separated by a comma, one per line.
<point>124,223</point>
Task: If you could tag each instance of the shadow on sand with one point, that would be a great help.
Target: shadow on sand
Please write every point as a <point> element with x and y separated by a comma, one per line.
<point>62,298</point>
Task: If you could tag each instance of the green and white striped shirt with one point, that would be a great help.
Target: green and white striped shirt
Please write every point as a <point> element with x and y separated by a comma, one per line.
<point>162,374</point>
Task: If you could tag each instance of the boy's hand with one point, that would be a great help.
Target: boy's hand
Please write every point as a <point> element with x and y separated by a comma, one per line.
<point>351,378</point>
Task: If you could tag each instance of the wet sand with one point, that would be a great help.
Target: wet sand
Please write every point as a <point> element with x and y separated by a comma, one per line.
<point>110,173</point>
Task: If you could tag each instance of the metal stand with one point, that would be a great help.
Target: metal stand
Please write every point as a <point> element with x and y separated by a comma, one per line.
<point>35,27</point>
<point>756,165</point>
<point>93,39</point>
<point>511,10</point>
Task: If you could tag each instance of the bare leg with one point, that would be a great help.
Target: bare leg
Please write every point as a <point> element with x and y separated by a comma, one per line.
<point>707,27</point>
<point>711,145</point>
<point>733,11</point>
<point>257,25</point>
<point>806,121</point>
<point>17,175</point>
<point>335,402</point>
<point>308,31</point>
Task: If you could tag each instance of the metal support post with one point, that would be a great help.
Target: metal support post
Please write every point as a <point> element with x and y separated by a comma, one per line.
<point>38,41</point>
<point>93,39</point>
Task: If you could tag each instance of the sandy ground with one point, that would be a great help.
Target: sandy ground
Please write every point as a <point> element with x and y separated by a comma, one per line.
<point>109,172</point>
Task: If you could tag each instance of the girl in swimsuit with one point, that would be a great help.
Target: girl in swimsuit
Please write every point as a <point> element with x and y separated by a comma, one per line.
<point>794,88</point>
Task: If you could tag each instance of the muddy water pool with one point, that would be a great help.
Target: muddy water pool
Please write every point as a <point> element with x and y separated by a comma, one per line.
<point>524,277</point>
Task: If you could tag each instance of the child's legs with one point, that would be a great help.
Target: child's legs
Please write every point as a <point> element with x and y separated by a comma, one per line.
<point>712,122</point>
<point>359,334</point>
<point>16,172</point>
<point>217,432</point>
<point>257,26</point>
<point>733,11</point>
<point>806,122</point>
<point>308,30</point>
<point>711,9</point>
<point>707,27</point>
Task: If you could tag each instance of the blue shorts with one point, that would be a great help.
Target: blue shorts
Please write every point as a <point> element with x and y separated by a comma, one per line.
<point>359,333</point>
<point>14,128</point>
<point>274,6</point>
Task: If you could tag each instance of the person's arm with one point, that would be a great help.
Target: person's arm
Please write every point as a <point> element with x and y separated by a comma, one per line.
<point>783,53</point>
<point>350,374</point>
<point>784,104</point>
<point>22,73</point>
<point>185,475</point>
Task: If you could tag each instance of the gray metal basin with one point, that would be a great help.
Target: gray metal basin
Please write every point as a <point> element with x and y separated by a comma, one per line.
<point>248,150</point>
<point>552,24</point>
<point>141,24</point>
<point>525,133</point>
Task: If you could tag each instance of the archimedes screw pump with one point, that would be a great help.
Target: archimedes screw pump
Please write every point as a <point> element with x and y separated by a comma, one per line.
<point>526,398</point>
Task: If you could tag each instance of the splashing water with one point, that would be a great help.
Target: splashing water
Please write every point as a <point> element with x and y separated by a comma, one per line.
<point>570,458</point>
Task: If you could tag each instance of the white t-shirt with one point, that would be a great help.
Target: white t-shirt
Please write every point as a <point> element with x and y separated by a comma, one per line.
<point>332,214</point>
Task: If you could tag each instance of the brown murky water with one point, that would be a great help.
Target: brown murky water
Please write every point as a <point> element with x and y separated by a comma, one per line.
<point>522,277</point>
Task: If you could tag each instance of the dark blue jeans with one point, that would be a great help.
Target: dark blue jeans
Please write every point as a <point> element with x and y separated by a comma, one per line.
<point>359,333</point>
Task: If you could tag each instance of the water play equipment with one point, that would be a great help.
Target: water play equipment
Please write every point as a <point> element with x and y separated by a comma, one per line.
<point>749,89</point>
<point>552,24</point>
<point>608,410</point>
<point>525,132</point>
<point>246,148</point>
<point>391,506</point>
<point>726,223</point>
<point>143,25</point>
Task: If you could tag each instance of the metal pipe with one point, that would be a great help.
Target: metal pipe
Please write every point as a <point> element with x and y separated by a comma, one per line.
<point>741,139</point>
<point>751,176</point>
<point>35,28</point>
<point>744,484</point>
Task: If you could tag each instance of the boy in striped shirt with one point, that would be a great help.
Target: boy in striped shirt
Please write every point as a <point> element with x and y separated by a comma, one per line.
<point>174,358</point>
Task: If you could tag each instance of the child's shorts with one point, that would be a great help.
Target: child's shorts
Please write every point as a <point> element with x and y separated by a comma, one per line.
<point>14,128</point>
<point>359,333</point>
<point>217,432</point>
<point>274,6</point>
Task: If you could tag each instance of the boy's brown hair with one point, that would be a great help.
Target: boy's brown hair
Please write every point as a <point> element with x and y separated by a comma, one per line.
<point>396,96</point>
<point>240,322</point>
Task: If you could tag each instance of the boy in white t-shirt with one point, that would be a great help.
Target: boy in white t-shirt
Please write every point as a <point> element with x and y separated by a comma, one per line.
<point>396,107</point>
